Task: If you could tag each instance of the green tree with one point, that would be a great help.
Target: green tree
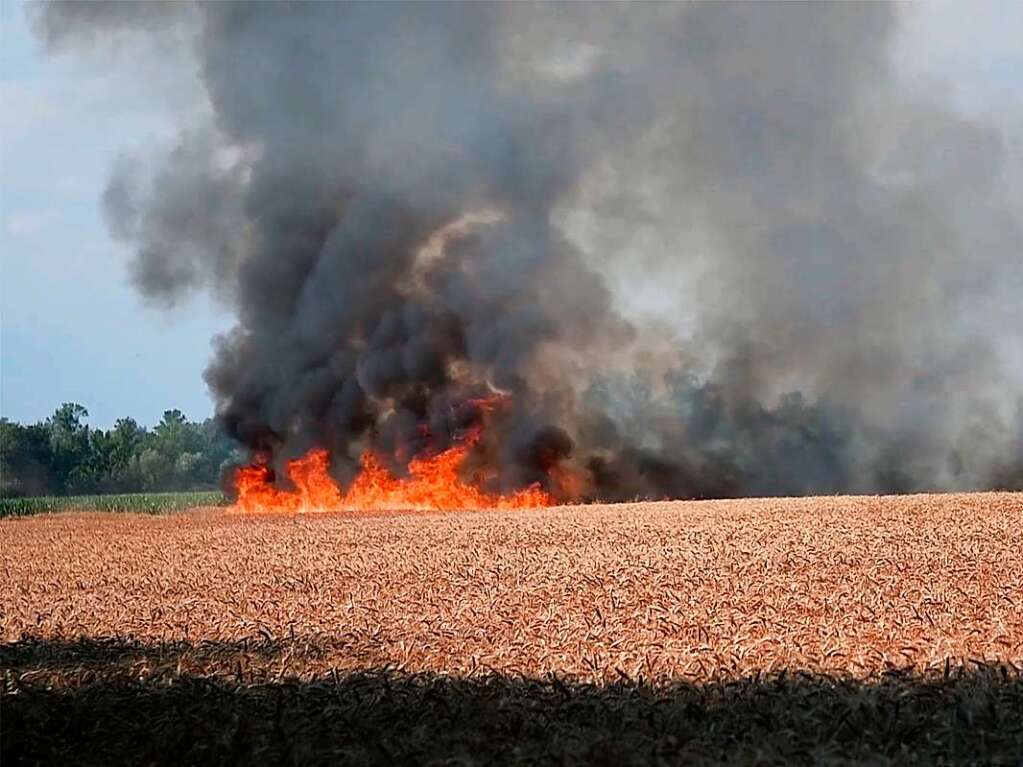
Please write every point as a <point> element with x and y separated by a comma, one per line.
<point>64,455</point>
<point>127,440</point>
<point>174,434</point>
<point>218,451</point>
<point>156,470</point>
<point>26,460</point>
<point>69,441</point>
<point>181,443</point>
<point>91,473</point>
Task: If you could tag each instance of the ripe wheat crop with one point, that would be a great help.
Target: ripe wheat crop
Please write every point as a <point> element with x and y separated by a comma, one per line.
<point>888,629</point>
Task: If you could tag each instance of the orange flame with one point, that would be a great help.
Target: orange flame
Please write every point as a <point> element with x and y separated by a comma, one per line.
<point>433,483</point>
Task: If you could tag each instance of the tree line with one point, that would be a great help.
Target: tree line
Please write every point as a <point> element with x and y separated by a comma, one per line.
<point>64,456</point>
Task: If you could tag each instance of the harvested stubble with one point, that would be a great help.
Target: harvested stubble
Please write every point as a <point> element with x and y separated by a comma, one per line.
<point>885,629</point>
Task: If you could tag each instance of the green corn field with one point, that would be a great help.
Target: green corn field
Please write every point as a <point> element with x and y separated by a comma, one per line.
<point>132,503</point>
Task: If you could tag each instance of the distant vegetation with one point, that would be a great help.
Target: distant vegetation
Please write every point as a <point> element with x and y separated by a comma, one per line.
<point>62,456</point>
<point>134,503</point>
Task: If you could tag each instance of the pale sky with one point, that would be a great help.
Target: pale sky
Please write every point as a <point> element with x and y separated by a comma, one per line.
<point>71,326</point>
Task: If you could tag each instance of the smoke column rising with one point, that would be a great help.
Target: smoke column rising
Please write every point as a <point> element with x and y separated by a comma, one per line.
<point>413,205</point>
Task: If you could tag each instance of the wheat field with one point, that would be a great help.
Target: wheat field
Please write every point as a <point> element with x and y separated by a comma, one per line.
<point>776,630</point>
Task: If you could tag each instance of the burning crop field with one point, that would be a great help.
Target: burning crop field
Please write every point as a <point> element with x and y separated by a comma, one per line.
<point>595,383</point>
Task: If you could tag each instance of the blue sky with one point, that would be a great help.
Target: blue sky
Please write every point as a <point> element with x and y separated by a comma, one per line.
<point>71,326</point>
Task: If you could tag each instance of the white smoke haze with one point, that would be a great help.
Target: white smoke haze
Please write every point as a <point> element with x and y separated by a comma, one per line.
<point>707,249</point>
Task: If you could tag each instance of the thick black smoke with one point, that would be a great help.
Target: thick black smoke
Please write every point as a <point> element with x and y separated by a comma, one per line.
<point>415,205</point>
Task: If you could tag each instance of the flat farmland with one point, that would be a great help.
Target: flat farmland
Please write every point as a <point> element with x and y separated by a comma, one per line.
<point>779,630</point>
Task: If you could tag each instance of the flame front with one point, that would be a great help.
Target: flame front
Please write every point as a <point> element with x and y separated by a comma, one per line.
<point>434,483</point>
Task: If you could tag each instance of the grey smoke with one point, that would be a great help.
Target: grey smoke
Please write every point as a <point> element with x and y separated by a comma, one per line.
<point>841,248</point>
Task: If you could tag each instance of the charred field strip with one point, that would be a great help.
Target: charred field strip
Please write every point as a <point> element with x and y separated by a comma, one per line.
<point>885,630</point>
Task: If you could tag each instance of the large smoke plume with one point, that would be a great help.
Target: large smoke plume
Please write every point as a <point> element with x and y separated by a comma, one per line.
<point>706,249</point>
